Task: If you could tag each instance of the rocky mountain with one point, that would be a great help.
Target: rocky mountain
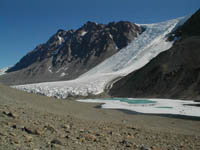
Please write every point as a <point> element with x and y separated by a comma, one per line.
<point>174,73</point>
<point>68,54</point>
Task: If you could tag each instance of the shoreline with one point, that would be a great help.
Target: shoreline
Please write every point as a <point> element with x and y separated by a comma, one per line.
<point>168,108</point>
<point>130,112</point>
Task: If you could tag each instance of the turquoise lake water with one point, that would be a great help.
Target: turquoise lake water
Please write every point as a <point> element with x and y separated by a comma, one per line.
<point>131,101</point>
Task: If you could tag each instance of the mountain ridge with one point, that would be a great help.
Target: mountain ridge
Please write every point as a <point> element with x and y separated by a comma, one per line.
<point>68,54</point>
<point>155,60</point>
<point>138,53</point>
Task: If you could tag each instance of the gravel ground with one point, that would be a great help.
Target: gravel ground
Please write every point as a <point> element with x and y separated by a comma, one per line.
<point>33,122</point>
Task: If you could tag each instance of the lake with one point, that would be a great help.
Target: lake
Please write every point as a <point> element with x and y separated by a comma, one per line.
<point>149,106</point>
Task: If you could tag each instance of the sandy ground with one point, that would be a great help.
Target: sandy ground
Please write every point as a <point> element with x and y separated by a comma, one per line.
<point>29,121</point>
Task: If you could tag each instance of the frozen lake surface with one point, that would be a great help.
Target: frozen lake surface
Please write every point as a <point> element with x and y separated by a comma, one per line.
<point>150,106</point>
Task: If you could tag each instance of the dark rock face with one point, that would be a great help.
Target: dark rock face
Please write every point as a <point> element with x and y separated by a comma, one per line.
<point>190,27</point>
<point>172,74</point>
<point>42,51</point>
<point>68,54</point>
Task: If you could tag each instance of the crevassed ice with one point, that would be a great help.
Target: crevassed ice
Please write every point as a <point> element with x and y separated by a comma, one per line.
<point>138,53</point>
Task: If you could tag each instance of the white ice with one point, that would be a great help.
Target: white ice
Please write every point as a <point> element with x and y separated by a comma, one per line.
<point>162,106</point>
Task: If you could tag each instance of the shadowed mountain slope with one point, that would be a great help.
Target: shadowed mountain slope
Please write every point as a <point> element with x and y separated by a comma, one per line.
<point>174,73</point>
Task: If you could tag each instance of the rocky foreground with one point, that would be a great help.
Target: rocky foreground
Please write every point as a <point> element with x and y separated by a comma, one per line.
<point>35,122</point>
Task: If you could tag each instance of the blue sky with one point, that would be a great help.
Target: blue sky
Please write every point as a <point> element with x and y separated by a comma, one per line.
<point>26,23</point>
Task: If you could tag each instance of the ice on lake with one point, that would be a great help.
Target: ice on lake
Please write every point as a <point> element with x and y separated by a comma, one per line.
<point>150,106</point>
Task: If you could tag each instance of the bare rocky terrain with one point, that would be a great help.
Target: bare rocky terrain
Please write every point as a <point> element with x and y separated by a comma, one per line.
<point>29,121</point>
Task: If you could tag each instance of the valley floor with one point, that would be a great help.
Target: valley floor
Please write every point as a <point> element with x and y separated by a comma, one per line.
<point>29,121</point>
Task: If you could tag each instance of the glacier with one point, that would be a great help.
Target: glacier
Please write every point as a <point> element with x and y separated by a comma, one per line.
<point>137,54</point>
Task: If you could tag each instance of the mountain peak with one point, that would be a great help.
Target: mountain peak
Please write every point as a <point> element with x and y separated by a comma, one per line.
<point>68,54</point>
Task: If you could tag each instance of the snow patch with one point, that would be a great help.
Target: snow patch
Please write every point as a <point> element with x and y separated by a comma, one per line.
<point>83,33</point>
<point>110,36</point>
<point>49,69</point>
<point>60,40</point>
<point>62,74</point>
<point>59,70</point>
<point>63,68</point>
